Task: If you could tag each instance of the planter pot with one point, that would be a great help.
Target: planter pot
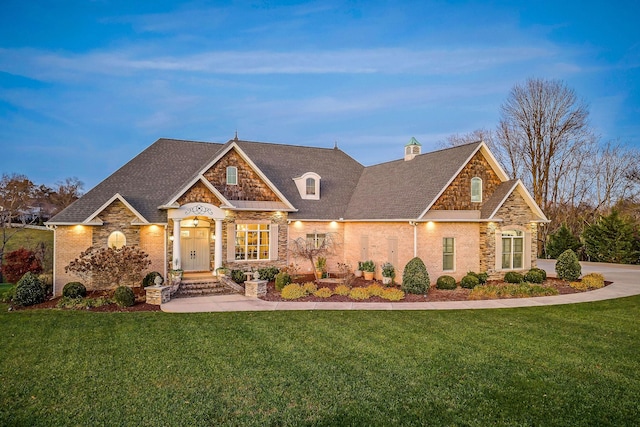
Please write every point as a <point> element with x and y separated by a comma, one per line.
<point>386,280</point>
<point>319,274</point>
<point>368,275</point>
<point>358,273</point>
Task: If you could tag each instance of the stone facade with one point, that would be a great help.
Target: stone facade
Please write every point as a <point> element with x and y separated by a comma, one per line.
<point>199,193</point>
<point>116,217</point>
<point>458,194</point>
<point>250,186</point>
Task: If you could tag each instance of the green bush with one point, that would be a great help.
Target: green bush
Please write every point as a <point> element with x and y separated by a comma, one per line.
<point>482,277</point>
<point>415,279</point>
<point>469,281</point>
<point>533,276</point>
<point>238,276</point>
<point>74,290</point>
<point>150,279</point>
<point>541,271</point>
<point>268,273</point>
<point>513,277</point>
<point>282,279</point>
<point>568,266</point>
<point>293,291</point>
<point>124,296</point>
<point>29,290</point>
<point>446,282</point>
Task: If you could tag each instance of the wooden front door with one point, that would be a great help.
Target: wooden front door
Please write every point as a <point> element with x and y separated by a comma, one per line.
<point>194,249</point>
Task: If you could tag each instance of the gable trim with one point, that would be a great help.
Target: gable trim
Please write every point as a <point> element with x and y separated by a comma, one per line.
<point>527,198</point>
<point>117,196</point>
<point>173,203</point>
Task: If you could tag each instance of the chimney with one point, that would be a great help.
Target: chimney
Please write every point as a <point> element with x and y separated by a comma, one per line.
<point>412,149</point>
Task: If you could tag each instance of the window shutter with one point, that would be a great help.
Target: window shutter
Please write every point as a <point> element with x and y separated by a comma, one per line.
<point>231,242</point>
<point>273,242</point>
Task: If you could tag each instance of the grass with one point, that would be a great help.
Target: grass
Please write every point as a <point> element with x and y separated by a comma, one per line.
<point>5,288</point>
<point>557,365</point>
<point>29,238</point>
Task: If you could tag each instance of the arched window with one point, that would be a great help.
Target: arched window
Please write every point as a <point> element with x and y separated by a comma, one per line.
<point>311,187</point>
<point>232,175</point>
<point>476,189</point>
<point>116,240</point>
<point>512,249</point>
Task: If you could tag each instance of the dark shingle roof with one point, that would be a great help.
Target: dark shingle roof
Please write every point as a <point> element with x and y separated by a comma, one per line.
<point>146,181</point>
<point>403,189</point>
<point>496,199</point>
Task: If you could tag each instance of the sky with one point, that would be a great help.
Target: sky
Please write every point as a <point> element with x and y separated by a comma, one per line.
<point>87,85</point>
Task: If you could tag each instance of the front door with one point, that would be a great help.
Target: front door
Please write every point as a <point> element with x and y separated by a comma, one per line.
<point>194,249</point>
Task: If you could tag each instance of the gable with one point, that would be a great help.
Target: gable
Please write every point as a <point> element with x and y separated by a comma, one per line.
<point>250,186</point>
<point>457,196</point>
<point>199,193</point>
<point>516,210</point>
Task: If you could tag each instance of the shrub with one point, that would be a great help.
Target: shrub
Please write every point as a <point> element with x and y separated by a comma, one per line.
<point>513,277</point>
<point>150,279</point>
<point>369,266</point>
<point>541,271</point>
<point>74,290</point>
<point>533,276</point>
<point>342,290</point>
<point>323,293</point>
<point>580,286</point>
<point>375,290</point>
<point>238,276</point>
<point>446,282</point>
<point>19,262</point>
<point>388,270</point>
<point>359,294</point>
<point>124,296</point>
<point>482,277</point>
<point>392,294</point>
<point>415,279</point>
<point>268,273</point>
<point>79,303</point>
<point>28,291</point>
<point>105,267</point>
<point>469,282</point>
<point>293,291</point>
<point>282,279</point>
<point>593,281</point>
<point>567,266</point>
<point>521,290</point>
<point>310,288</point>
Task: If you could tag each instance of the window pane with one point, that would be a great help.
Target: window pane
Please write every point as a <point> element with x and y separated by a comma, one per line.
<point>517,260</point>
<point>232,175</point>
<point>447,262</point>
<point>311,186</point>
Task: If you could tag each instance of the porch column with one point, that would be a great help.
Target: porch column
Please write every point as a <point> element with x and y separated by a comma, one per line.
<point>217,256</point>
<point>176,263</point>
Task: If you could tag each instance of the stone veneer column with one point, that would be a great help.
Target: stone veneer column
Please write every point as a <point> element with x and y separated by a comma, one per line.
<point>176,263</point>
<point>217,256</point>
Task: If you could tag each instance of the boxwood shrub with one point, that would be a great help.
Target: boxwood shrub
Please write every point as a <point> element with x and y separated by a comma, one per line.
<point>415,279</point>
<point>268,273</point>
<point>533,276</point>
<point>29,290</point>
<point>567,266</point>
<point>541,271</point>
<point>482,277</point>
<point>446,282</point>
<point>124,296</point>
<point>74,290</point>
<point>469,281</point>
<point>282,279</point>
<point>513,277</point>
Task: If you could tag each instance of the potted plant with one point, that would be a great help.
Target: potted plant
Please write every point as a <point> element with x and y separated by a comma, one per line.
<point>388,273</point>
<point>321,265</point>
<point>221,271</point>
<point>358,272</point>
<point>368,269</point>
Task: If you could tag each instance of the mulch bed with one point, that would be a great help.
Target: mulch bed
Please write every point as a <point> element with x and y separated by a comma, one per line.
<point>458,294</point>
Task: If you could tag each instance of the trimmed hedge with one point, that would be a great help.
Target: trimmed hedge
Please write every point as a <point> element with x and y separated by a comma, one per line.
<point>415,279</point>
<point>282,279</point>
<point>446,282</point>
<point>124,296</point>
<point>567,266</point>
<point>533,276</point>
<point>29,290</point>
<point>74,290</point>
<point>469,281</point>
<point>513,277</point>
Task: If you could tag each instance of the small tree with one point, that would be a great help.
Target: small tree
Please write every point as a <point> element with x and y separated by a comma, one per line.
<point>567,266</point>
<point>312,250</point>
<point>415,278</point>
<point>562,240</point>
<point>108,267</point>
<point>19,262</point>
<point>612,239</point>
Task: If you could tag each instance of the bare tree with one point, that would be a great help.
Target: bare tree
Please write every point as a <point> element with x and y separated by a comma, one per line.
<point>542,128</point>
<point>457,139</point>
<point>66,192</point>
<point>305,249</point>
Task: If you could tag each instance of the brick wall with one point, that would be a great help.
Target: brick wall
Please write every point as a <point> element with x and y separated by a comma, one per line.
<point>69,242</point>
<point>152,242</point>
<point>458,194</point>
<point>299,229</point>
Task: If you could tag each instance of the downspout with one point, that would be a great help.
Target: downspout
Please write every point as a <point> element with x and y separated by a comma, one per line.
<point>415,237</point>
<point>53,276</point>
<point>164,261</point>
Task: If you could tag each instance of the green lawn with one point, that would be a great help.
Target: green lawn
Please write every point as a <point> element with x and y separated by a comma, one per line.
<point>563,365</point>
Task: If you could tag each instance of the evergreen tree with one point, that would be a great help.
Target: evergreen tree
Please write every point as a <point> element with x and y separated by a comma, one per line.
<point>612,239</point>
<point>562,240</point>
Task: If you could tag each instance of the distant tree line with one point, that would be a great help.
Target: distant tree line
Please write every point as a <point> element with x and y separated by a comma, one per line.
<point>588,188</point>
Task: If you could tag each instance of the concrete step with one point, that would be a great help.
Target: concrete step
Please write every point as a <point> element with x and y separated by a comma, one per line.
<point>192,288</point>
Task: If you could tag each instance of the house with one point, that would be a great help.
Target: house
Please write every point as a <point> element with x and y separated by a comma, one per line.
<point>199,206</point>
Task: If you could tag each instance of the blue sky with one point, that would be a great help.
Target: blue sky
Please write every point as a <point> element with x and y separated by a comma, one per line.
<point>86,85</point>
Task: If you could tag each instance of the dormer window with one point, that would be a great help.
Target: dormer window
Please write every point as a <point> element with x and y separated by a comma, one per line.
<point>308,186</point>
<point>232,175</point>
<point>476,189</point>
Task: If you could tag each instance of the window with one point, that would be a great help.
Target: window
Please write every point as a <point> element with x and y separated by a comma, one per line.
<point>232,175</point>
<point>116,240</point>
<point>252,242</point>
<point>448,253</point>
<point>476,189</point>
<point>512,249</point>
<point>311,187</point>
<point>315,241</point>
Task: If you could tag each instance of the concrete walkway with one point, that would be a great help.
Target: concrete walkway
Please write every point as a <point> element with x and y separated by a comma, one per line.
<point>626,280</point>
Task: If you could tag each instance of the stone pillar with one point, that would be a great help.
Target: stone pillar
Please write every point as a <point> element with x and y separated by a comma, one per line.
<point>176,263</point>
<point>217,255</point>
<point>255,288</point>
